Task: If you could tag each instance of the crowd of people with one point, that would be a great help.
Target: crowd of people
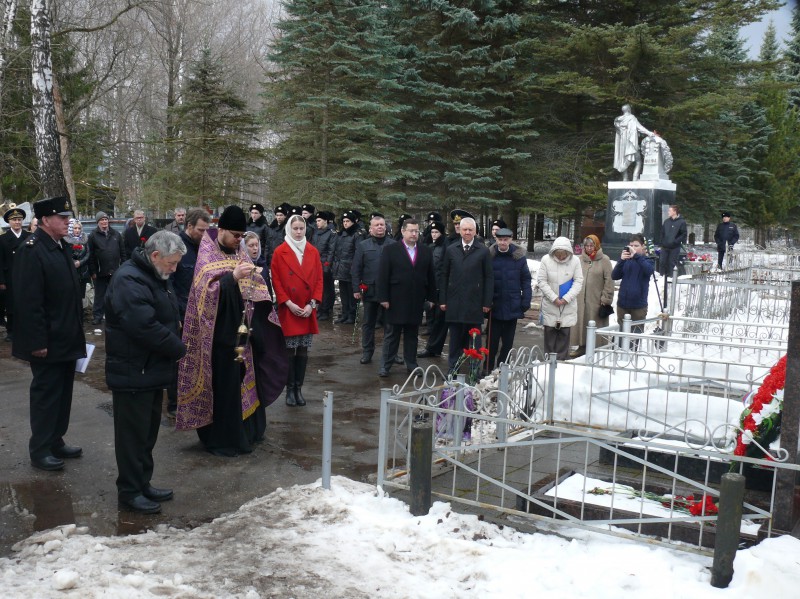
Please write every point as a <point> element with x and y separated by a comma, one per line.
<point>223,317</point>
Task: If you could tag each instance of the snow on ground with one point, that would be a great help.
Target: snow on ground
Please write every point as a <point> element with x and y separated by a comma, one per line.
<point>354,542</point>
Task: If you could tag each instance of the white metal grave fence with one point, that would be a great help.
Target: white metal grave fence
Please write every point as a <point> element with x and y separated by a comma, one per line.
<point>563,472</point>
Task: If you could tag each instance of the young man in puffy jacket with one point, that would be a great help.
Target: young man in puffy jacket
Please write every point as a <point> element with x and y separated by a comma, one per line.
<point>512,294</point>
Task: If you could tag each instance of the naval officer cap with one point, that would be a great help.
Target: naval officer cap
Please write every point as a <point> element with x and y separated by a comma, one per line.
<point>58,205</point>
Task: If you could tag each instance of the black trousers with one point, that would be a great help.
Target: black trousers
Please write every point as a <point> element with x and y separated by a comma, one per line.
<point>51,402</point>
<point>391,343</point>
<point>437,331</point>
<point>9,308</point>
<point>500,331</point>
<point>137,417</point>
<point>328,293</point>
<point>369,318</point>
<point>460,340</point>
<point>720,256</point>
<point>347,299</point>
<point>100,286</point>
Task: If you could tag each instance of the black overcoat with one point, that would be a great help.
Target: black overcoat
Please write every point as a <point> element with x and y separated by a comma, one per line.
<point>134,240</point>
<point>404,285</point>
<point>366,265</point>
<point>48,299</point>
<point>469,283</point>
<point>9,244</point>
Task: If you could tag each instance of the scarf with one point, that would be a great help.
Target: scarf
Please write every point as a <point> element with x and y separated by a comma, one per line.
<point>298,247</point>
<point>596,240</point>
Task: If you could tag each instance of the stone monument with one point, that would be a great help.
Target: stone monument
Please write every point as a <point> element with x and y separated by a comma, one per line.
<point>638,203</point>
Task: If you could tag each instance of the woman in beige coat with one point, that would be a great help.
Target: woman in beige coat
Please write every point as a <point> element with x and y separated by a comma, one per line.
<point>597,290</point>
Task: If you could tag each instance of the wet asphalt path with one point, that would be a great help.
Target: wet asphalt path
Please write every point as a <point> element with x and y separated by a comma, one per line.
<point>205,486</point>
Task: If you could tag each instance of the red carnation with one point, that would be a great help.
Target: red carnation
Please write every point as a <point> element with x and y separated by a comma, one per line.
<point>143,238</point>
<point>474,332</point>
<point>77,247</point>
<point>484,351</point>
<point>363,287</point>
<point>708,506</point>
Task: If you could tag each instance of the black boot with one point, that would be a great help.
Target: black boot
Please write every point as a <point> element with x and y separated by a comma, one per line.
<point>291,398</point>
<point>301,361</point>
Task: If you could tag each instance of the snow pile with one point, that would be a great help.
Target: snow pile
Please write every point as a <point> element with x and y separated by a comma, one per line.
<point>354,542</point>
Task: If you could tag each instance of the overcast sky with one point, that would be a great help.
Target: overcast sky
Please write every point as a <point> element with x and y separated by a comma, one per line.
<point>782,18</point>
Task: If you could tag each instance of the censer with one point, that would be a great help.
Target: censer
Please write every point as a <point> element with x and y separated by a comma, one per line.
<point>244,330</point>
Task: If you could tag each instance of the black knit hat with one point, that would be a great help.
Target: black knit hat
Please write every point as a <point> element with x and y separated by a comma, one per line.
<point>258,207</point>
<point>233,219</point>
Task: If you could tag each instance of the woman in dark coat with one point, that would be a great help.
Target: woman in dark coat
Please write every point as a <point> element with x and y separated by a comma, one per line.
<point>343,253</point>
<point>297,278</point>
<point>80,253</point>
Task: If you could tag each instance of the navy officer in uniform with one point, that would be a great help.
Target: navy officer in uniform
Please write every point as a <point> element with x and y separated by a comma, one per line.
<point>46,283</point>
<point>9,244</point>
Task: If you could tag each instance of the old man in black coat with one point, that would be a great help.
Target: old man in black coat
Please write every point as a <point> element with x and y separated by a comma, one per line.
<point>468,289</point>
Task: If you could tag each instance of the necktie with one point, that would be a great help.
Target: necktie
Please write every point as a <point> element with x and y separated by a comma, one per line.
<point>466,249</point>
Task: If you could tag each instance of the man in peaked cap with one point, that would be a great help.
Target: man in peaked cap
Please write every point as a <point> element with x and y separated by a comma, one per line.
<point>325,240</point>
<point>9,244</point>
<point>400,220</point>
<point>46,282</point>
<point>726,235</point>
<point>497,224</point>
<point>456,216</point>
<point>258,225</point>
<point>430,218</point>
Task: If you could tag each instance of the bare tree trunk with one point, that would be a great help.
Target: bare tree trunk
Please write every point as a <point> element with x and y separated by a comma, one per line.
<point>6,41</point>
<point>66,163</point>
<point>48,150</point>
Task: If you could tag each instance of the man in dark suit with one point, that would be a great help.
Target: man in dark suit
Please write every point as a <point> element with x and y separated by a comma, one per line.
<point>10,242</point>
<point>406,280</point>
<point>46,282</point>
<point>468,288</point>
<point>138,233</point>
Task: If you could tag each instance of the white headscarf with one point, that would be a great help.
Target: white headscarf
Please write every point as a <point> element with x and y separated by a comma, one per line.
<point>299,247</point>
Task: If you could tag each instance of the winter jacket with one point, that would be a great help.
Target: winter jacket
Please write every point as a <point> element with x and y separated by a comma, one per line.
<point>726,234</point>
<point>106,252</point>
<point>634,274</point>
<point>468,284</point>
<point>325,240</point>
<point>512,283</point>
<point>262,229</point>
<point>598,288</point>
<point>344,251</point>
<point>297,282</point>
<point>143,330</point>
<point>552,274</point>
<point>673,233</point>
<point>80,254</point>
<point>366,265</point>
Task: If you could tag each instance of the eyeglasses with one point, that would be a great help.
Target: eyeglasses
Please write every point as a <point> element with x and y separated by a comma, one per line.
<point>236,235</point>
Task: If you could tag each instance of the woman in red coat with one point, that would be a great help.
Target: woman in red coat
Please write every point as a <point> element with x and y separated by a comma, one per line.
<point>297,278</point>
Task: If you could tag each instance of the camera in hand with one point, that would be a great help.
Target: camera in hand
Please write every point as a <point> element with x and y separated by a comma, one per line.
<point>627,249</point>
<point>558,325</point>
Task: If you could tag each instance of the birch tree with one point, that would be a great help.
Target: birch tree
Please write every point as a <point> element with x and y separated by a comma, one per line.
<point>48,151</point>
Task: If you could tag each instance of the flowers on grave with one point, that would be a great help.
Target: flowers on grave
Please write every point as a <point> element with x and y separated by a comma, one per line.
<point>687,504</point>
<point>472,356</point>
<point>760,421</point>
<point>693,257</point>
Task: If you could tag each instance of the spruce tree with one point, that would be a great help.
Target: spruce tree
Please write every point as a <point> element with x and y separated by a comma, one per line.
<point>327,103</point>
<point>219,156</point>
